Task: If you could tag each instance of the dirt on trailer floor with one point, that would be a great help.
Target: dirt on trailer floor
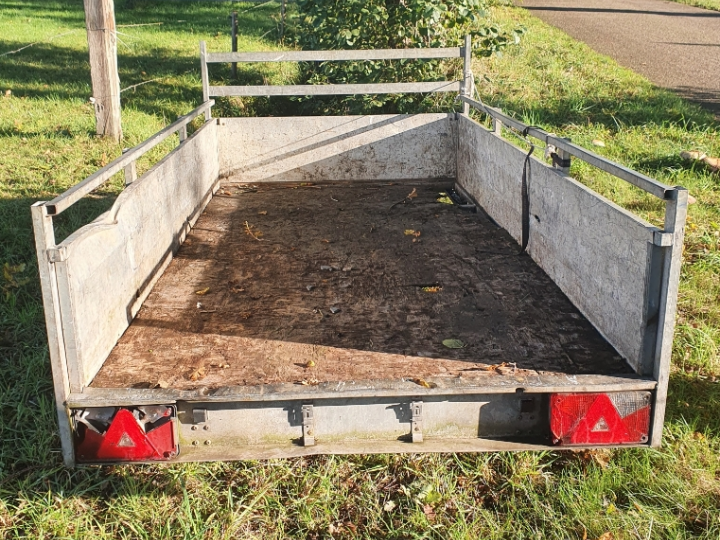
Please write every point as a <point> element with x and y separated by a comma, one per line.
<point>336,282</point>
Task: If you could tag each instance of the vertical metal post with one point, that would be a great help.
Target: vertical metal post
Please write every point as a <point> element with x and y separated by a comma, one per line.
<point>45,239</point>
<point>563,159</point>
<point>467,87</point>
<point>205,78</point>
<point>675,214</point>
<point>130,170</point>
<point>182,133</point>
<point>497,127</point>
<point>233,34</point>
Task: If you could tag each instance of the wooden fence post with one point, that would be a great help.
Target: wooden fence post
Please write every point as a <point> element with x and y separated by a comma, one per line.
<point>102,43</point>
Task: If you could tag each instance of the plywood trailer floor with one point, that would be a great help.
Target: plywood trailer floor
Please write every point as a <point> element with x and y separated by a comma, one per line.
<point>335,282</point>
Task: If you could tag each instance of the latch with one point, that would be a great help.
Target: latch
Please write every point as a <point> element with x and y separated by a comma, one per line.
<point>308,425</point>
<point>416,408</point>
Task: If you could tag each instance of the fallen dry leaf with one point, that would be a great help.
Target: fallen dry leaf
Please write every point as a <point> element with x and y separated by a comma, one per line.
<point>424,383</point>
<point>198,374</point>
<point>255,234</point>
<point>262,213</point>
<point>309,364</point>
<point>325,240</point>
<point>412,194</point>
<point>444,199</point>
<point>161,384</point>
<point>429,512</point>
<point>598,142</point>
<point>311,382</point>
<point>411,232</point>
<point>433,289</point>
<point>8,93</point>
<point>505,368</point>
<point>203,292</point>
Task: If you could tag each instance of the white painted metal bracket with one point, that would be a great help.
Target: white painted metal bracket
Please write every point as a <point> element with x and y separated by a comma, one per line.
<point>416,433</point>
<point>308,425</point>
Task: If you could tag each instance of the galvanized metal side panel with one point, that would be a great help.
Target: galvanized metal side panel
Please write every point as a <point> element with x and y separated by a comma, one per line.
<point>597,253</point>
<point>110,265</point>
<point>311,149</point>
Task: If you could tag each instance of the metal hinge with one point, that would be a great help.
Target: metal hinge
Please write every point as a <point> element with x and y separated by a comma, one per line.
<point>308,425</point>
<point>55,255</point>
<point>416,434</point>
<point>663,239</point>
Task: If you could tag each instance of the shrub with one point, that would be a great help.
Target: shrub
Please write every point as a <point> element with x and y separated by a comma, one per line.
<point>389,24</point>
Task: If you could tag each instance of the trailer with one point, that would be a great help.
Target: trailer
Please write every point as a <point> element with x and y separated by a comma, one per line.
<point>277,287</point>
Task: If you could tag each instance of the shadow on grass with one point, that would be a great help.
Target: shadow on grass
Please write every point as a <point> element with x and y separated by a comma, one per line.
<point>50,71</point>
<point>694,402</point>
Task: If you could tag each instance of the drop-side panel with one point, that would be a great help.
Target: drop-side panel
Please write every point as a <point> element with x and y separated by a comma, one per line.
<point>109,266</point>
<point>598,254</point>
<point>311,149</point>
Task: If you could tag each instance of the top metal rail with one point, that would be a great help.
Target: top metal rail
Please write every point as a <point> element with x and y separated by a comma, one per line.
<point>637,179</point>
<point>127,161</point>
<point>333,56</point>
<point>463,86</point>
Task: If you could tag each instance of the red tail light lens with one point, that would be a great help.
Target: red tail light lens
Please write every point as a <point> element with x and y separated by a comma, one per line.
<point>144,433</point>
<point>597,419</point>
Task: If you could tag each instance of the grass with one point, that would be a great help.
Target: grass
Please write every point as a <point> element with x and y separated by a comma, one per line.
<point>47,144</point>
<point>706,4</point>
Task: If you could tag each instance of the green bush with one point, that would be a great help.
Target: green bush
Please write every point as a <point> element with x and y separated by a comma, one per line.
<point>389,24</point>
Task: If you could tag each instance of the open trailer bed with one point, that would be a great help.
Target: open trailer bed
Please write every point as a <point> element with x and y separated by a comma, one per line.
<point>289,286</point>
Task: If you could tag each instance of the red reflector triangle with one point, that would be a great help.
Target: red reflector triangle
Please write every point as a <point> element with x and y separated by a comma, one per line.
<point>601,425</point>
<point>125,440</point>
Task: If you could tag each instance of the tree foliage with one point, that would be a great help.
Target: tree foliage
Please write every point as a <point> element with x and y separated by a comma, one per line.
<point>390,24</point>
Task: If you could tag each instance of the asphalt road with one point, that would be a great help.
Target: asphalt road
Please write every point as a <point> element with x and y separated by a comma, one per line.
<point>674,45</point>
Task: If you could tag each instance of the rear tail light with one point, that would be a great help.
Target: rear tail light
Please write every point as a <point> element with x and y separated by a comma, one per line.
<point>597,419</point>
<point>143,433</point>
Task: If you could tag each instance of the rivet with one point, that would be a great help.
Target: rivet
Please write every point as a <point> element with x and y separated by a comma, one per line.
<point>195,443</point>
<point>206,428</point>
<point>208,442</point>
<point>194,428</point>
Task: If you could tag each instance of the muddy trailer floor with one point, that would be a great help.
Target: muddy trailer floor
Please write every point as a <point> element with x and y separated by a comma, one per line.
<point>307,284</point>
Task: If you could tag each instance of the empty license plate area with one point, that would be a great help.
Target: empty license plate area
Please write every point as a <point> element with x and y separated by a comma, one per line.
<point>207,426</point>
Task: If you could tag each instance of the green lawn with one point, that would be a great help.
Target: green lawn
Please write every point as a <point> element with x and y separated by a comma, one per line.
<point>47,144</point>
<point>707,4</point>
